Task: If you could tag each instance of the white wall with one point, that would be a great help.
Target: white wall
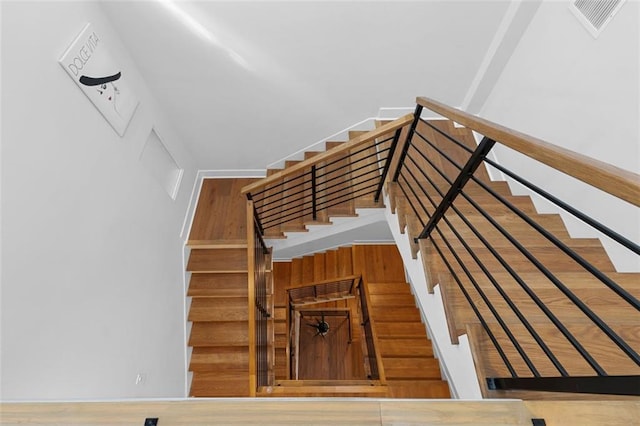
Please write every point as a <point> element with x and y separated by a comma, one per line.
<point>92,290</point>
<point>566,87</point>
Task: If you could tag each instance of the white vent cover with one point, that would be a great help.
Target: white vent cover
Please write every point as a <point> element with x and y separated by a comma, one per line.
<point>595,14</point>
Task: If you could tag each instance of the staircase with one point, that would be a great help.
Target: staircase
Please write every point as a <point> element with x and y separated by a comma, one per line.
<point>328,377</point>
<point>473,281</point>
<point>409,367</point>
<point>408,362</point>
<point>218,291</point>
<point>622,318</point>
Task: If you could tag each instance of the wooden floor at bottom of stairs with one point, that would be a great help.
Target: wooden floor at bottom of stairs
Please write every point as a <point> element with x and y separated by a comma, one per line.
<point>314,411</point>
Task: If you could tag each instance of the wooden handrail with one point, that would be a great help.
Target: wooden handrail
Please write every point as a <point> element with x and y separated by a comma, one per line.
<point>611,179</point>
<point>351,144</point>
<point>382,377</point>
<point>328,281</point>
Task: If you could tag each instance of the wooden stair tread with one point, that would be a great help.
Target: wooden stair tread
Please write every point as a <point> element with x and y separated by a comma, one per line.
<point>217,244</point>
<point>487,365</point>
<point>584,280</point>
<point>212,260</point>
<point>604,351</point>
<point>418,388</point>
<point>376,288</point>
<point>219,309</point>
<point>280,313</point>
<point>397,314</point>
<point>390,347</point>
<point>218,285</point>
<point>408,329</point>
<point>280,327</point>
<point>552,258</point>
<point>393,299</point>
<point>221,359</point>
<point>280,340</point>
<point>414,368</point>
<point>217,384</point>
<point>603,302</point>
<point>234,333</point>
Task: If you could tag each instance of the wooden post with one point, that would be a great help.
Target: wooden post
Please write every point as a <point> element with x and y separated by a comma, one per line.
<point>251,265</point>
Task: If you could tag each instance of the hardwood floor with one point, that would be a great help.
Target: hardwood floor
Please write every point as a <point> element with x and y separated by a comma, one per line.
<point>331,357</point>
<point>220,214</point>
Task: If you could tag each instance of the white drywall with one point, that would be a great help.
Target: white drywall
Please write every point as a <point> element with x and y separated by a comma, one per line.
<point>92,280</point>
<point>507,36</point>
<point>581,93</point>
<point>370,227</point>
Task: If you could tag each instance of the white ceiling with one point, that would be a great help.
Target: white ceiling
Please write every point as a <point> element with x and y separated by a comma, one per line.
<point>249,82</point>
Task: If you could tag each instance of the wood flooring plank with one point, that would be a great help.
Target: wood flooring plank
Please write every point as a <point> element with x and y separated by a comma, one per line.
<point>383,263</point>
<point>220,213</point>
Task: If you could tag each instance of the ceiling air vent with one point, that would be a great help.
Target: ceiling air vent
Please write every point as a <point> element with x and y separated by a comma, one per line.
<point>595,14</point>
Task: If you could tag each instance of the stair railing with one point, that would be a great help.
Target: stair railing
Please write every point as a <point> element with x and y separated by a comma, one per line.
<point>373,360</point>
<point>302,295</point>
<point>260,306</point>
<point>305,192</point>
<point>323,291</point>
<point>479,235</point>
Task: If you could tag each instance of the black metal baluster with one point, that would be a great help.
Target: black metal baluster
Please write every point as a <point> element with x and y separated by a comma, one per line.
<point>314,208</point>
<point>465,174</point>
<point>387,164</point>
<point>412,129</point>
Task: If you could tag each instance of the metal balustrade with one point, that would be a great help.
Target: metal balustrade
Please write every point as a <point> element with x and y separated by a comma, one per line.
<point>515,269</point>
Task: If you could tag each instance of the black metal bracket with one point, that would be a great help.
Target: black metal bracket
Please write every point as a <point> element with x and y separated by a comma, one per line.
<point>387,164</point>
<point>405,148</point>
<point>314,201</point>
<point>456,187</point>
